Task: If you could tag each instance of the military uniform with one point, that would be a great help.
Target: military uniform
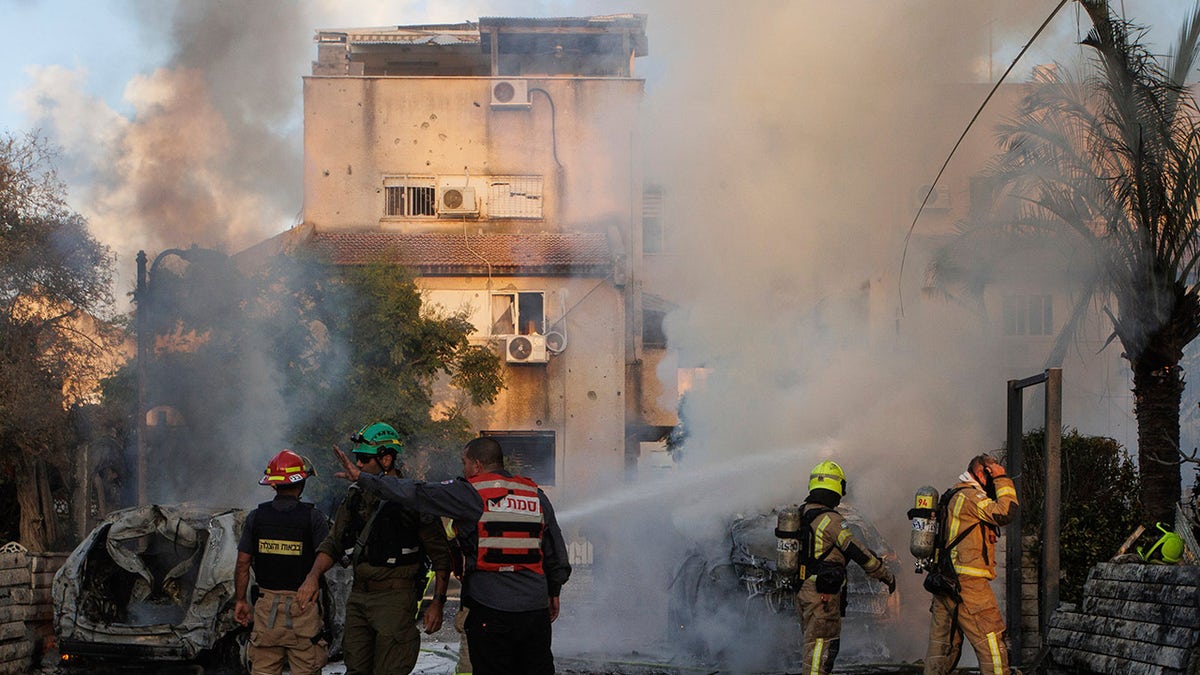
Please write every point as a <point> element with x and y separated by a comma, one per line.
<point>515,557</point>
<point>978,615</point>
<point>381,634</point>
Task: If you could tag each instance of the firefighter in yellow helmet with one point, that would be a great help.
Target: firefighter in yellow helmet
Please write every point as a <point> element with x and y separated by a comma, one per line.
<point>827,544</point>
<point>981,502</point>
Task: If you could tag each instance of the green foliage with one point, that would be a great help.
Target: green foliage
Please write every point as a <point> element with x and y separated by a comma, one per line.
<point>1099,501</point>
<point>54,278</point>
<point>302,354</point>
<point>1099,185</point>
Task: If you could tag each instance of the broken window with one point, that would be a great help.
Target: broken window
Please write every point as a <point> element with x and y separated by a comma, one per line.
<point>1028,315</point>
<point>408,196</point>
<point>518,313</point>
<point>527,453</point>
<point>515,197</point>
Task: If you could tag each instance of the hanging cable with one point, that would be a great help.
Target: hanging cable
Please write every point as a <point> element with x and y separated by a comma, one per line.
<point>933,185</point>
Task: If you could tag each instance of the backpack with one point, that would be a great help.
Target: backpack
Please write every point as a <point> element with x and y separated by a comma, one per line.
<point>942,579</point>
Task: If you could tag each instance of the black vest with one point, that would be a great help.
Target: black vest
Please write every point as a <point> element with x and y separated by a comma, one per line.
<point>283,547</point>
<point>394,540</point>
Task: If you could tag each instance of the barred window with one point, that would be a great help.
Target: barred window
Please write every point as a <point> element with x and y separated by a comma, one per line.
<point>515,197</point>
<point>654,233</point>
<point>1028,315</point>
<point>409,196</point>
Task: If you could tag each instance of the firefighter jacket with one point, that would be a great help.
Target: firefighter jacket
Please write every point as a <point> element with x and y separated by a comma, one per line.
<point>282,537</point>
<point>975,555</point>
<point>834,544</point>
<point>511,525</point>
<point>520,590</point>
<point>399,542</point>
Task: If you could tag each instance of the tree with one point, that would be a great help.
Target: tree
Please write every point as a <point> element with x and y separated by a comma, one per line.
<point>300,354</point>
<point>380,355</point>
<point>1107,168</point>
<point>1099,501</point>
<point>53,274</point>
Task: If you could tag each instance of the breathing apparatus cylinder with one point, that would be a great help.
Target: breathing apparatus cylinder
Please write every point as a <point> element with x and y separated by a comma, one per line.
<point>787,543</point>
<point>922,541</point>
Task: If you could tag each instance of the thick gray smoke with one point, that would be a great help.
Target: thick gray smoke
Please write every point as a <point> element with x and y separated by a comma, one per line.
<point>789,138</point>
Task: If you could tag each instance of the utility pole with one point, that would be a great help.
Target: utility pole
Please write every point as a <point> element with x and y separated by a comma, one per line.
<point>142,300</point>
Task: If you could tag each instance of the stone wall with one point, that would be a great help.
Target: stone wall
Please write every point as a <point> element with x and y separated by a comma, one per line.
<point>26,610</point>
<point>1135,618</point>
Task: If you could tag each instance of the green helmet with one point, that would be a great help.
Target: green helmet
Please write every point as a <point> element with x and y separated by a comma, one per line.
<point>1168,548</point>
<point>376,438</point>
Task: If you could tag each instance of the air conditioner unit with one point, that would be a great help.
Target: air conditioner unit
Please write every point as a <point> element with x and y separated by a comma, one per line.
<point>511,94</point>
<point>456,201</point>
<point>939,199</point>
<point>526,349</point>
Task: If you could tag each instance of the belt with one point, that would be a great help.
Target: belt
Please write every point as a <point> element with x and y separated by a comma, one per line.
<point>370,585</point>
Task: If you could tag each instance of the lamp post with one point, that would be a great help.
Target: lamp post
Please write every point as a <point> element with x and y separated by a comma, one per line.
<point>143,299</point>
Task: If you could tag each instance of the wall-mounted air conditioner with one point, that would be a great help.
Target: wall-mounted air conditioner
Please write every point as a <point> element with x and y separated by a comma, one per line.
<point>511,94</point>
<point>456,201</point>
<point>526,349</point>
<point>939,199</point>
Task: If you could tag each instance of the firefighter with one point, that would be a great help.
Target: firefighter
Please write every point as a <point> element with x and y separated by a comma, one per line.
<point>279,540</point>
<point>827,546</point>
<point>514,554</point>
<point>390,547</point>
<point>981,502</point>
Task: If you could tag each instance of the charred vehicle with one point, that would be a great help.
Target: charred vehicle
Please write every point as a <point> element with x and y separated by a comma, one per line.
<point>154,584</point>
<point>739,583</point>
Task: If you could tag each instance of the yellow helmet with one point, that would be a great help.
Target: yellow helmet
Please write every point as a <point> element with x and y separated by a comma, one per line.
<point>828,475</point>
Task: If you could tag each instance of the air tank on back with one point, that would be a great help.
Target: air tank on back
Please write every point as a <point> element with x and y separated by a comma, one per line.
<point>922,541</point>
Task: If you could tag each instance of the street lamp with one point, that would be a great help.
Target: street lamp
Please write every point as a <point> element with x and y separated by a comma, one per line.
<point>142,298</point>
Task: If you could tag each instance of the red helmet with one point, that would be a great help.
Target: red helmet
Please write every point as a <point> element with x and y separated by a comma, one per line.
<point>287,468</point>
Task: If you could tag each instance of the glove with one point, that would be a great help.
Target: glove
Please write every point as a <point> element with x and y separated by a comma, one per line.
<point>890,582</point>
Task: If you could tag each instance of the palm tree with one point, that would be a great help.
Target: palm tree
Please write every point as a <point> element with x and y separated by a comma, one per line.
<point>1108,168</point>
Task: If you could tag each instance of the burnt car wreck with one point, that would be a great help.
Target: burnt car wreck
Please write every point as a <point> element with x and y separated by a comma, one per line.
<point>738,584</point>
<point>154,585</point>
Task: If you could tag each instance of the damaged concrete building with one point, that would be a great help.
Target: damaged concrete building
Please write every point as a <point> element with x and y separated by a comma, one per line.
<point>500,161</point>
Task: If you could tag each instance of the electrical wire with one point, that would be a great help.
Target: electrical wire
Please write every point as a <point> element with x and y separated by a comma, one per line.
<point>933,185</point>
<point>553,123</point>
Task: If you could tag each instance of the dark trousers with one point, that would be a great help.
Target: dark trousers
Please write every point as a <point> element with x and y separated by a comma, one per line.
<point>509,643</point>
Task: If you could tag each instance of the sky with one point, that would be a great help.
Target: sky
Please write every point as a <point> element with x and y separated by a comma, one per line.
<point>792,134</point>
<point>179,122</point>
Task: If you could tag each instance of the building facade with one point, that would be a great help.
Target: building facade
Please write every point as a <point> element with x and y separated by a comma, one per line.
<point>500,161</point>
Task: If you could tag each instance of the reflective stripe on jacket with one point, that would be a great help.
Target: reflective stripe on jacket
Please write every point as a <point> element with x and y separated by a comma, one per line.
<point>510,529</point>
<point>975,555</point>
<point>834,542</point>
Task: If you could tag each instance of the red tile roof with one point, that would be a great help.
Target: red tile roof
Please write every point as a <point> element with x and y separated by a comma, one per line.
<point>445,254</point>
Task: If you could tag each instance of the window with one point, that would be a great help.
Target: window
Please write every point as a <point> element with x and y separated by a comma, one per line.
<point>515,197</point>
<point>527,453</point>
<point>653,335</point>
<point>518,313</point>
<point>654,236</point>
<point>1028,315</point>
<point>408,196</point>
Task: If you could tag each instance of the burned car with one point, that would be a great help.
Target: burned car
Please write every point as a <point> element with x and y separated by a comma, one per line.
<point>155,584</point>
<point>737,583</point>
